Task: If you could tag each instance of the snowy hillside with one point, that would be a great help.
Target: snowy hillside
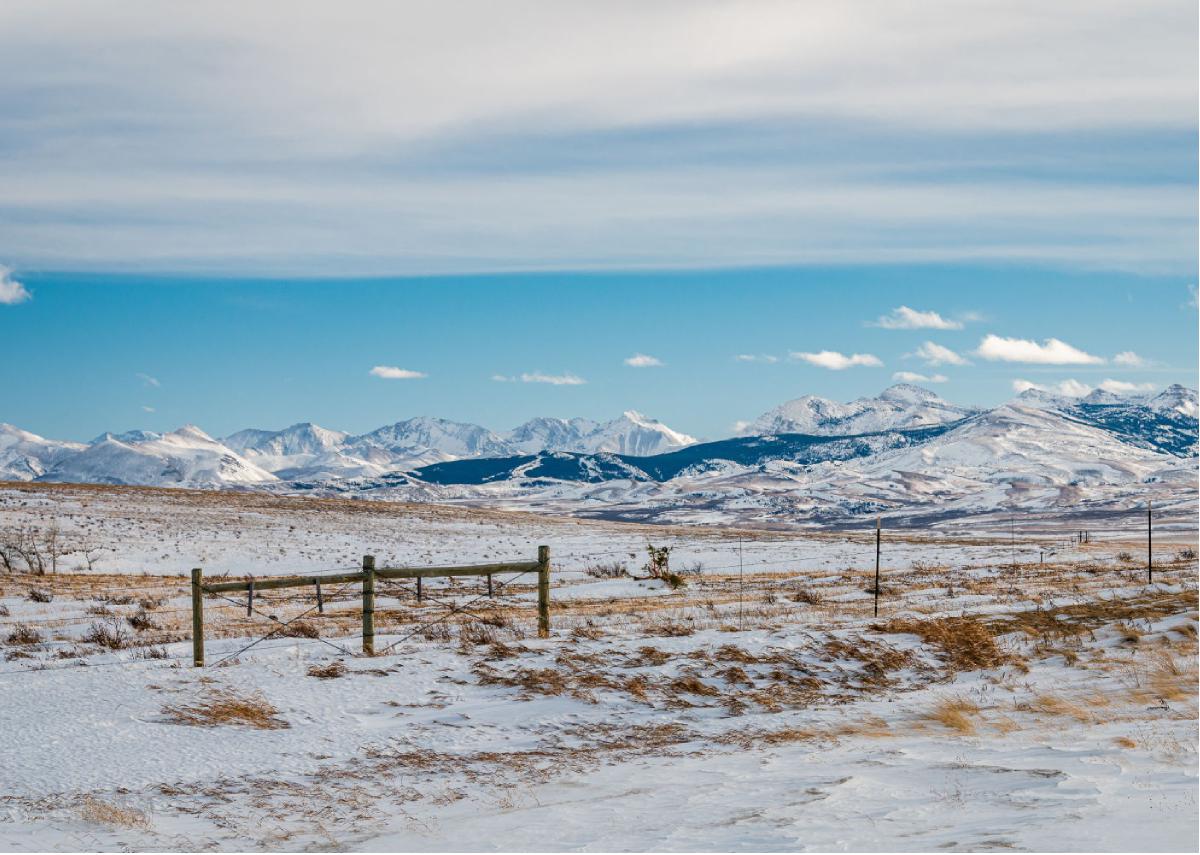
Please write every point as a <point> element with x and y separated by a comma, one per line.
<point>186,457</point>
<point>25,456</point>
<point>898,407</point>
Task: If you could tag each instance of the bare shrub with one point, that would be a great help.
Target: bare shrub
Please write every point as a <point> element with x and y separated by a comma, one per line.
<point>300,629</point>
<point>3,610</point>
<point>329,671</point>
<point>108,634</point>
<point>811,598</point>
<point>1124,557</point>
<point>39,595</point>
<point>606,570</point>
<point>24,634</point>
<point>1186,554</point>
<point>226,707</point>
<point>142,621</point>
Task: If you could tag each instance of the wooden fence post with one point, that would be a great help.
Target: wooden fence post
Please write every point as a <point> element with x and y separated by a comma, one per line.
<point>197,618</point>
<point>543,592</point>
<point>1149,543</point>
<point>368,605</point>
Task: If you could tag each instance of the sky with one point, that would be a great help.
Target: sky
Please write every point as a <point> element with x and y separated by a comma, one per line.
<point>230,213</point>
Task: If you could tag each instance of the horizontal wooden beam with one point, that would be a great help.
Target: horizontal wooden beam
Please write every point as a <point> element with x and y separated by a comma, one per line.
<point>266,583</point>
<point>470,570</point>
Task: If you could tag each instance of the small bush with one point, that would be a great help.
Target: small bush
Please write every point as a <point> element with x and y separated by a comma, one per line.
<point>40,596</point>
<point>142,621</point>
<point>3,610</point>
<point>811,598</point>
<point>674,581</point>
<point>658,563</point>
<point>24,634</point>
<point>300,629</point>
<point>606,570</point>
<point>1124,557</point>
<point>1186,554</point>
<point>955,714</point>
<point>108,634</point>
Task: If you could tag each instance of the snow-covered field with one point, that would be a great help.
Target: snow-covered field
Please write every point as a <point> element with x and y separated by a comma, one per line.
<point>1018,689</point>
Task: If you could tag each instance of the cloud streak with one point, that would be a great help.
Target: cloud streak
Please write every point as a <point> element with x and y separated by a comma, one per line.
<point>935,354</point>
<point>641,360</point>
<point>904,318</point>
<point>11,291</point>
<point>1052,351</point>
<point>914,377</point>
<point>836,361</point>
<point>391,372</point>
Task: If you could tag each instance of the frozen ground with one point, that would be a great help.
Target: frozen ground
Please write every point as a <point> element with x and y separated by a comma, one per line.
<point>1043,706</point>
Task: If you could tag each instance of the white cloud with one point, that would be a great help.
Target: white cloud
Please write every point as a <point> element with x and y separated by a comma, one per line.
<point>641,360</point>
<point>756,357</point>
<point>1123,387</point>
<point>740,425</point>
<point>374,173</point>
<point>936,354</point>
<point>904,318</point>
<point>913,377</point>
<point>1131,359</point>
<point>146,409</point>
<point>1069,388</point>
<point>148,380</point>
<point>11,291</point>
<point>1052,351</point>
<point>553,379</point>
<point>835,361</point>
<point>390,372</point>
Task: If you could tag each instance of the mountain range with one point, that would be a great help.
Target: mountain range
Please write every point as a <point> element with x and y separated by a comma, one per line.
<point>905,452</point>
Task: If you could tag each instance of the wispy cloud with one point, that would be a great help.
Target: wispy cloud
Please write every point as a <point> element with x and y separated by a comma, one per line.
<point>148,380</point>
<point>641,360</point>
<point>1052,351</point>
<point>1130,359</point>
<point>1068,388</point>
<point>935,354</point>
<point>1122,387</point>
<point>904,318</point>
<point>914,377</point>
<point>567,379</point>
<point>757,357</point>
<point>391,372</point>
<point>146,409</point>
<point>11,291</point>
<point>835,361</point>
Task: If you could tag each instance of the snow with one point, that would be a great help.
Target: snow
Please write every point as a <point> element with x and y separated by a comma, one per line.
<point>901,406</point>
<point>428,748</point>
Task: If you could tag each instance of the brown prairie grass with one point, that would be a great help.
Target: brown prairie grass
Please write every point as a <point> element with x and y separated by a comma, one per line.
<point>92,809</point>
<point>329,671</point>
<point>966,643</point>
<point>1124,742</point>
<point>955,713</point>
<point>226,707</point>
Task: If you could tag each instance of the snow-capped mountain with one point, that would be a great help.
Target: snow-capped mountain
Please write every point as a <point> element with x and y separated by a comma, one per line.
<point>187,457</point>
<point>25,456</point>
<point>896,408</point>
<point>906,453</point>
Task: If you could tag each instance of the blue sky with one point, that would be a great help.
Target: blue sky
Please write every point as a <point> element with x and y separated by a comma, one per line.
<point>91,352</point>
<point>255,204</point>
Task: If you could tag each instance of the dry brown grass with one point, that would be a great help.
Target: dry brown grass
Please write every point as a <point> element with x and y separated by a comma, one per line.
<point>92,809</point>
<point>955,713</point>
<point>329,671</point>
<point>966,643</point>
<point>24,634</point>
<point>226,707</point>
<point>1124,742</point>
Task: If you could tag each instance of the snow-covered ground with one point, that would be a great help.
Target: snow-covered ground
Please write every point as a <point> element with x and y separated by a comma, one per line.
<point>997,701</point>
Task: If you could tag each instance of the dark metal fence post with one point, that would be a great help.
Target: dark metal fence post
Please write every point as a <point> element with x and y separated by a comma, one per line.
<point>878,526</point>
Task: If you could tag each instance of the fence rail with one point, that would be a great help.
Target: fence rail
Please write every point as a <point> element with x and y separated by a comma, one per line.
<point>367,576</point>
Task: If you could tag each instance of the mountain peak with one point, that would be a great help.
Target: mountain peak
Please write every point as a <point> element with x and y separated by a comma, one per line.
<point>908,393</point>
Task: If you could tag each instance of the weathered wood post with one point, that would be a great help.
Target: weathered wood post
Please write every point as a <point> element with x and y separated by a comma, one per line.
<point>1149,543</point>
<point>320,599</point>
<point>197,618</point>
<point>368,605</point>
<point>543,592</point>
<point>878,526</point>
